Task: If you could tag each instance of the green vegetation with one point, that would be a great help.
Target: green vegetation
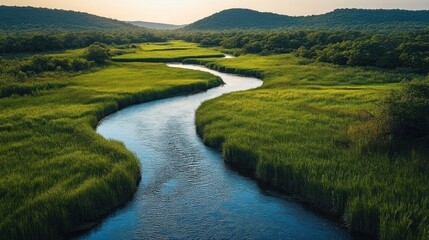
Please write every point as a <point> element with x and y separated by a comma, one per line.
<point>340,19</point>
<point>334,135</point>
<point>43,19</point>
<point>316,130</point>
<point>407,110</point>
<point>57,173</point>
<point>98,53</point>
<point>18,74</point>
<point>39,41</point>
<point>175,51</point>
<point>397,50</point>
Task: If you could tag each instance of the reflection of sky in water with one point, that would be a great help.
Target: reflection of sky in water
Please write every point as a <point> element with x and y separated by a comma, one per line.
<point>186,190</point>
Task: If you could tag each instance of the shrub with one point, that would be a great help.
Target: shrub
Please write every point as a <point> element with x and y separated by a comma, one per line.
<point>98,53</point>
<point>79,64</point>
<point>21,76</point>
<point>39,63</point>
<point>408,110</point>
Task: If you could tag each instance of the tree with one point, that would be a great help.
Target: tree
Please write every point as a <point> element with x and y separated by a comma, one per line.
<point>253,47</point>
<point>98,53</point>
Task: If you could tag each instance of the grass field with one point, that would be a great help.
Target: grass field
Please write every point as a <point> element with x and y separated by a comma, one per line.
<point>56,172</point>
<point>175,51</point>
<point>311,130</point>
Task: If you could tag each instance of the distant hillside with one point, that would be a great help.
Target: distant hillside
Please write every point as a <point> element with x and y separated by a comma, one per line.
<point>43,19</point>
<point>241,19</point>
<point>244,19</point>
<point>362,17</point>
<point>158,26</point>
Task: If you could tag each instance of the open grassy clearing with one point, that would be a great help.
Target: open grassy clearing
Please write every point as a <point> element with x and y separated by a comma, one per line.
<point>310,130</point>
<point>56,171</point>
<point>167,52</point>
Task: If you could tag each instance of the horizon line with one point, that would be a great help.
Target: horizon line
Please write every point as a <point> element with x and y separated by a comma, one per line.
<point>226,9</point>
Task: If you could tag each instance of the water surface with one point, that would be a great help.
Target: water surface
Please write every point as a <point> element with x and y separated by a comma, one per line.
<point>186,191</point>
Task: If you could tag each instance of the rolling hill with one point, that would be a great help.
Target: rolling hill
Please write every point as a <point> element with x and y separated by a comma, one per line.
<point>241,19</point>
<point>157,26</point>
<point>245,19</point>
<point>43,19</point>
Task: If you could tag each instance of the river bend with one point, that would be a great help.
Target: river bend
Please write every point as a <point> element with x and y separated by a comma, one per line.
<point>186,191</point>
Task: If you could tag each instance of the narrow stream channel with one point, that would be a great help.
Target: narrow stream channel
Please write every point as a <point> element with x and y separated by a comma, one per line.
<point>186,191</point>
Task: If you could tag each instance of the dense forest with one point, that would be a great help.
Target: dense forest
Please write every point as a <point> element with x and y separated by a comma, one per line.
<point>397,50</point>
<point>43,19</point>
<point>340,19</point>
<point>37,42</point>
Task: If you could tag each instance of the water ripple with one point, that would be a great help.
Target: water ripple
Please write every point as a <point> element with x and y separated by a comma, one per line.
<point>186,190</point>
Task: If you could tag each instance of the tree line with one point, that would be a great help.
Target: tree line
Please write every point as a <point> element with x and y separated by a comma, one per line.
<point>22,69</point>
<point>38,41</point>
<point>391,51</point>
<point>405,111</point>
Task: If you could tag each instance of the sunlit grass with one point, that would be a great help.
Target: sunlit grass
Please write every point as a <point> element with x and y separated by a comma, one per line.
<point>56,172</point>
<point>171,51</point>
<point>305,132</point>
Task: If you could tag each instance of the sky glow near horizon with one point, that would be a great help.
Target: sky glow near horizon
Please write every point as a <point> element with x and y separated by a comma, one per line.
<point>188,11</point>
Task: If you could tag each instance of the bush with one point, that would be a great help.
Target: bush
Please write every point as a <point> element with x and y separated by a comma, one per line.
<point>79,64</point>
<point>40,63</point>
<point>21,76</point>
<point>98,53</point>
<point>408,110</point>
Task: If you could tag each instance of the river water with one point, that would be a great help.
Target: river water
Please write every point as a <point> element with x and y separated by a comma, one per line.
<point>186,191</point>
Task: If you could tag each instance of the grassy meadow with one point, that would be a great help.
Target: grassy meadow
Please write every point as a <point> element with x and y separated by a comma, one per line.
<point>312,130</point>
<point>174,51</point>
<point>56,172</point>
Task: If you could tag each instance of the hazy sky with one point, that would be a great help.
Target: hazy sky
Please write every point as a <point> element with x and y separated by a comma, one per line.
<point>187,11</point>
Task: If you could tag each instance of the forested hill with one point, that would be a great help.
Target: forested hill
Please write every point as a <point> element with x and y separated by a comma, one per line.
<point>241,19</point>
<point>358,19</point>
<point>43,19</point>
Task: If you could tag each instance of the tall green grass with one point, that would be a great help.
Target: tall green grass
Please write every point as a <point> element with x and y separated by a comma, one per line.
<point>312,130</point>
<point>56,172</point>
<point>174,51</point>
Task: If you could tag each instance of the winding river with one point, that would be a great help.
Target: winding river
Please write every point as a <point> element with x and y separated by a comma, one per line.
<point>186,191</point>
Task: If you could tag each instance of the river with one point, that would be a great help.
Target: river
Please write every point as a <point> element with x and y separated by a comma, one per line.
<point>186,191</point>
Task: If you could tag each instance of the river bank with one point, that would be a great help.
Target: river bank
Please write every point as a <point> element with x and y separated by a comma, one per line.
<point>57,172</point>
<point>186,190</point>
<point>312,138</point>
